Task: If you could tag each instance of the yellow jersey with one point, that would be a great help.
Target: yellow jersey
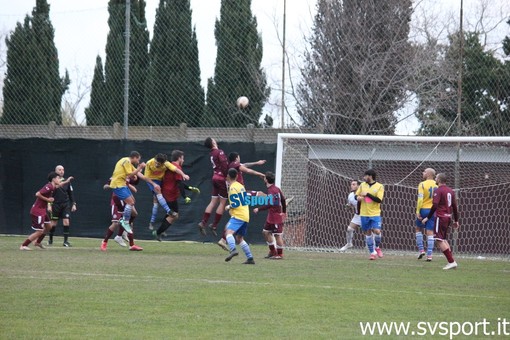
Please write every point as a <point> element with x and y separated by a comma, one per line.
<point>240,211</point>
<point>425,194</point>
<point>368,206</point>
<point>120,172</point>
<point>157,172</point>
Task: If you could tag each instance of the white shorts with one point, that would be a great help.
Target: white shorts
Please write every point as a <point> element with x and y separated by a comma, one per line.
<point>356,220</point>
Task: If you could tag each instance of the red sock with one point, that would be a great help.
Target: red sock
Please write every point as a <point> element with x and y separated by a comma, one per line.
<point>280,251</point>
<point>217,219</point>
<point>121,230</point>
<point>26,243</point>
<point>205,218</point>
<point>131,240</point>
<point>272,250</point>
<point>132,219</point>
<point>39,240</point>
<point>224,234</point>
<point>448,254</point>
<point>109,233</point>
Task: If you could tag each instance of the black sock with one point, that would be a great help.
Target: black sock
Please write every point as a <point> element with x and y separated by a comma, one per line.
<point>52,232</point>
<point>66,233</point>
<point>163,227</point>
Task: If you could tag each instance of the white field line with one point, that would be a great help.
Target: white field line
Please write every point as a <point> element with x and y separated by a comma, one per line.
<point>50,275</point>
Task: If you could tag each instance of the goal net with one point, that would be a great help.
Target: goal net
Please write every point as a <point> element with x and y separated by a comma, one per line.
<point>317,170</point>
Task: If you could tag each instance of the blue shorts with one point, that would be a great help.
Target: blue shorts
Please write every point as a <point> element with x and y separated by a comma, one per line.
<point>430,223</point>
<point>151,187</point>
<point>239,227</point>
<point>122,192</point>
<point>370,222</point>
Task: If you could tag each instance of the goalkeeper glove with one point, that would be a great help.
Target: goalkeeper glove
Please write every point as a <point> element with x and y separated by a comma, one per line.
<point>187,200</point>
<point>195,189</point>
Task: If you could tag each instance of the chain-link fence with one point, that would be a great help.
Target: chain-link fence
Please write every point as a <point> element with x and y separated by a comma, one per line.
<point>359,67</point>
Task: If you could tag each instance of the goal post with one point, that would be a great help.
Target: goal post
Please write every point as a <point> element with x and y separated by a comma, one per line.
<point>317,169</point>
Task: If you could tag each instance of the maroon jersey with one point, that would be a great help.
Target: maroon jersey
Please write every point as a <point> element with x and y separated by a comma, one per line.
<point>236,165</point>
<point>39,207</point>
<point>444,203</point>
<point>169,186</point>
<point>219,162</point>
<point>277,208</point>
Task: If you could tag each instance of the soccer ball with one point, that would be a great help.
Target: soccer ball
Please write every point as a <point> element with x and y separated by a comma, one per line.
<point>242,102</point>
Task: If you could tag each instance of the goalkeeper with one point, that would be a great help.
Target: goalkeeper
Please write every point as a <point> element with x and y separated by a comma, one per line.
<point>172,187</point>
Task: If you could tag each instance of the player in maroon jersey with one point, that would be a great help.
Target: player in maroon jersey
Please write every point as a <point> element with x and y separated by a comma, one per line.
<point>444,205</point>
<point>235,163</point>
<point>219,193</point>
<point>273,229</point>
<point>172,187</point>
<point>38,212</point>
<point>117,210</point>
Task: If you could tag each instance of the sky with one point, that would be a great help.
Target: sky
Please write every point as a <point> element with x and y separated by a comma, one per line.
<point>81,30</point>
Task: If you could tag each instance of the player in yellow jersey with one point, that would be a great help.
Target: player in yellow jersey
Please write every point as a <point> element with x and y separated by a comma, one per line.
<point>155,170</point>
<point>125,168</point>
<point>423,205</point>
<point>370,195</point>
<point>239,218</point>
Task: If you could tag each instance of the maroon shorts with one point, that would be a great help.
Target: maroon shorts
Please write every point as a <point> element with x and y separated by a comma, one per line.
<point>39,220</point>
<point>219,188</point>
<point>441,225</point>
<point>274,228</point>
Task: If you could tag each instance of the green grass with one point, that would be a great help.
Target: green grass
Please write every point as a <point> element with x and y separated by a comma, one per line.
<point>186,290</point>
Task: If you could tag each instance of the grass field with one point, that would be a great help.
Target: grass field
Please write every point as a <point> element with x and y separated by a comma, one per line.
<point>185,290</point>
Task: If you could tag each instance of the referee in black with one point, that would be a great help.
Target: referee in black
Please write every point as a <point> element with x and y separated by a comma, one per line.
<point>62,207</point>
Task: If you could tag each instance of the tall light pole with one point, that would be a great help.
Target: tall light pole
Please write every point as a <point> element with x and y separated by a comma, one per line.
<point>283,62</point>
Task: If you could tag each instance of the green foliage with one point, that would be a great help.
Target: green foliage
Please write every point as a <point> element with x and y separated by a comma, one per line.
<point>33,89</point>
<point>173,83</point>
<point>485,101</point>
<point>237,71</point>
<point>355,72</point>
<point>174,290</point>
<point>97,107</point>
<point>115,59</point>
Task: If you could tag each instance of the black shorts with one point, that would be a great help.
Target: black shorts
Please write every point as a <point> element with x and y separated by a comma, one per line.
<point>173,205</point>
<point>60,211</point>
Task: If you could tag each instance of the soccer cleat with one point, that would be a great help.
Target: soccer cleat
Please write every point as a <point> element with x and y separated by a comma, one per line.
<point>201,227</point>
<point>172,213</point>
<point>379,252</point>
<point>268,256</point>
<point>249,261</point>
<point>125,224</point>
<point>231,255</point>
<point>39,245</point>
<point>422,253</point>
<point>66,244</point>
<point>195,190</point>
<point>289,200</point>
<point>452,265</point>
<point>213,230</point>
<point>103,246</point>
<point>120,241</point>
<point>134,247</point>
<point>276,257</point>
<point>372,257</point>
<point>429,258</point>
<point>50,242</point>
<point>151,226</point>
<point>156,236</point>
<point>347,246</point>
<point>223,244</point>
<point>24,248</point>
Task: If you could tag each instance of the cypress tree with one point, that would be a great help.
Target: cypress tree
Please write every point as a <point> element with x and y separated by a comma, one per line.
<point>114,64</point>
<point>173,83</point>
<point>96,110</point>
<point>33,88</point>
<point>237,71</point>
